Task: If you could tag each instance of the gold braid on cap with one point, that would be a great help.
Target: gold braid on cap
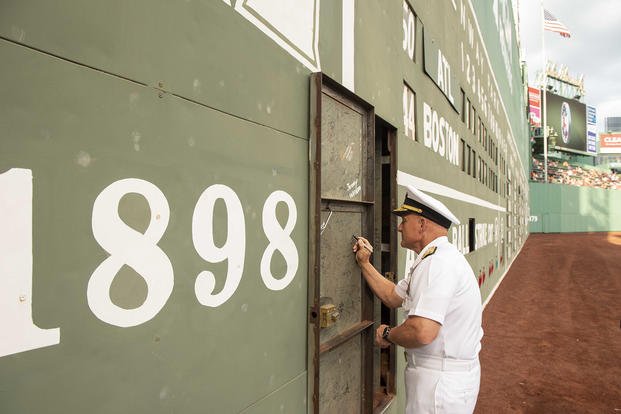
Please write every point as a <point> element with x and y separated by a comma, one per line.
<point>414,209</point>
<point>424,210</point>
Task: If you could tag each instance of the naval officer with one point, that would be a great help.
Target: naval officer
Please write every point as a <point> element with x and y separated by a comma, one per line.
<point>442,330</point>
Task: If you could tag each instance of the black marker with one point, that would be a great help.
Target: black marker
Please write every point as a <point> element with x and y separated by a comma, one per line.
<point>364,243</point>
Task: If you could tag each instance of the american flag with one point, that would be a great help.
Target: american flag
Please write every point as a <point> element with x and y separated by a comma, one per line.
<point>552,24</point>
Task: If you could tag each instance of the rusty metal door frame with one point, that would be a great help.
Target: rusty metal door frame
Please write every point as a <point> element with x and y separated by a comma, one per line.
<point>386,232</point>
<point>321,84</point>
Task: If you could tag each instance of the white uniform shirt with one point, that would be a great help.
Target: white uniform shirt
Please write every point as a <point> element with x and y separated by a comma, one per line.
<point>442,287</point>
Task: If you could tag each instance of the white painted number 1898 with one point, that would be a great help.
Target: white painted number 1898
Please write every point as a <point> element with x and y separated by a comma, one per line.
<point>128,246</point>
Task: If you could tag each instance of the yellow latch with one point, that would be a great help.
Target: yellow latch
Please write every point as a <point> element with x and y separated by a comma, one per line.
<point>328,315</point>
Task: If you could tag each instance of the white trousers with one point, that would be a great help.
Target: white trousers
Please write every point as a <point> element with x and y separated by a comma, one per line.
<point>437,392</point>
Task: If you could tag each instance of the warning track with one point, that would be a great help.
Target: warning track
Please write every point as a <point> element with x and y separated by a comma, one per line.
<point>552,340</point>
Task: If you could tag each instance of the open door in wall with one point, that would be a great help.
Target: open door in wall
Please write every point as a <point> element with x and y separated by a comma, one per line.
<point>344,193</point>
<point>342,204</point>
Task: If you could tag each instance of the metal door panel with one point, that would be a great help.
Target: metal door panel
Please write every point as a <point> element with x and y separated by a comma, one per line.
<point>341,283</point>
<point>340,386</point>
<point>342,203</point>
<point>341,150</point>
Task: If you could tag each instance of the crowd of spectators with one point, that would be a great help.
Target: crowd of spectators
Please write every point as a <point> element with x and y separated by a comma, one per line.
<point>562,172</point>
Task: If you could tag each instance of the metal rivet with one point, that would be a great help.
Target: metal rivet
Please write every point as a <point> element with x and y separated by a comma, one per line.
<point>22,298</point>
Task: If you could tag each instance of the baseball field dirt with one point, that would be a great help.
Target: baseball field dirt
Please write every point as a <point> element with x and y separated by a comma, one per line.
<point>552,341</point>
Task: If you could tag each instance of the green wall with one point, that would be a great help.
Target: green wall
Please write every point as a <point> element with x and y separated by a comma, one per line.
<point>96,92</point>
<point>182,97</point>
<point>557,208</point>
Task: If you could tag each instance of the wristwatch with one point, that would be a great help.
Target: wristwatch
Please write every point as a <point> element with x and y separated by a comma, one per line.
<point>386,333</point>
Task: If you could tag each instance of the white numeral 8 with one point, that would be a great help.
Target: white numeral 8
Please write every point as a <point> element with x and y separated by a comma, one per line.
<point>128,246</point>
<point>279,240</point>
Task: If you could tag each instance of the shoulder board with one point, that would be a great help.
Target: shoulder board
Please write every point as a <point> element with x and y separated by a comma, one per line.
<point>429,252</point>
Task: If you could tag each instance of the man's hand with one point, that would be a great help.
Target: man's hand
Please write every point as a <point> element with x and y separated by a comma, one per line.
<point>362,252</point>
<point>381,342</point>
<point>383,288</point>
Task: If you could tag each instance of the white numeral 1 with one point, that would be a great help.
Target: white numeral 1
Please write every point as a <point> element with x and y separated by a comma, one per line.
<point>18,333</point>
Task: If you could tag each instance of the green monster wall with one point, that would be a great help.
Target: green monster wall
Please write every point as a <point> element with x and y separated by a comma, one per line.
<point>154,187</point>
<point>557,208</point>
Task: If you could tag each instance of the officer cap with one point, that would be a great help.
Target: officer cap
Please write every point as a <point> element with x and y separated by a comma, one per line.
<point>417,202</point>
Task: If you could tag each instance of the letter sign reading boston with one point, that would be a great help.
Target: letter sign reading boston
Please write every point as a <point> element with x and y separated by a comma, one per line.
<point>439,135</point>
<point>439,69</point>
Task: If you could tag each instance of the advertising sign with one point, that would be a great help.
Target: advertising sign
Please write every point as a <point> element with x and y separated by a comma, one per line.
<point>591,130</point>
<point>566,119</point>
<point>610,143</point>
<point>534,105</point>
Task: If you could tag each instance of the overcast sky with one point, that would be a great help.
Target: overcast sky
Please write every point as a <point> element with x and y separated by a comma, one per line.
<point>594,48</point>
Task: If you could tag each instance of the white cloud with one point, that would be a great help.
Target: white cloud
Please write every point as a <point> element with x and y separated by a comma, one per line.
<point>607,108</point>
<point>602,16</point>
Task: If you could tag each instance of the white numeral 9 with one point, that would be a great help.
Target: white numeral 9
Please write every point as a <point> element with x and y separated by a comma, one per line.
<point>233,250</point>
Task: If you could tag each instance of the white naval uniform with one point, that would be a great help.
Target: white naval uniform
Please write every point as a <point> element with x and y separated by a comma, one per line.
<point>443,376</point>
